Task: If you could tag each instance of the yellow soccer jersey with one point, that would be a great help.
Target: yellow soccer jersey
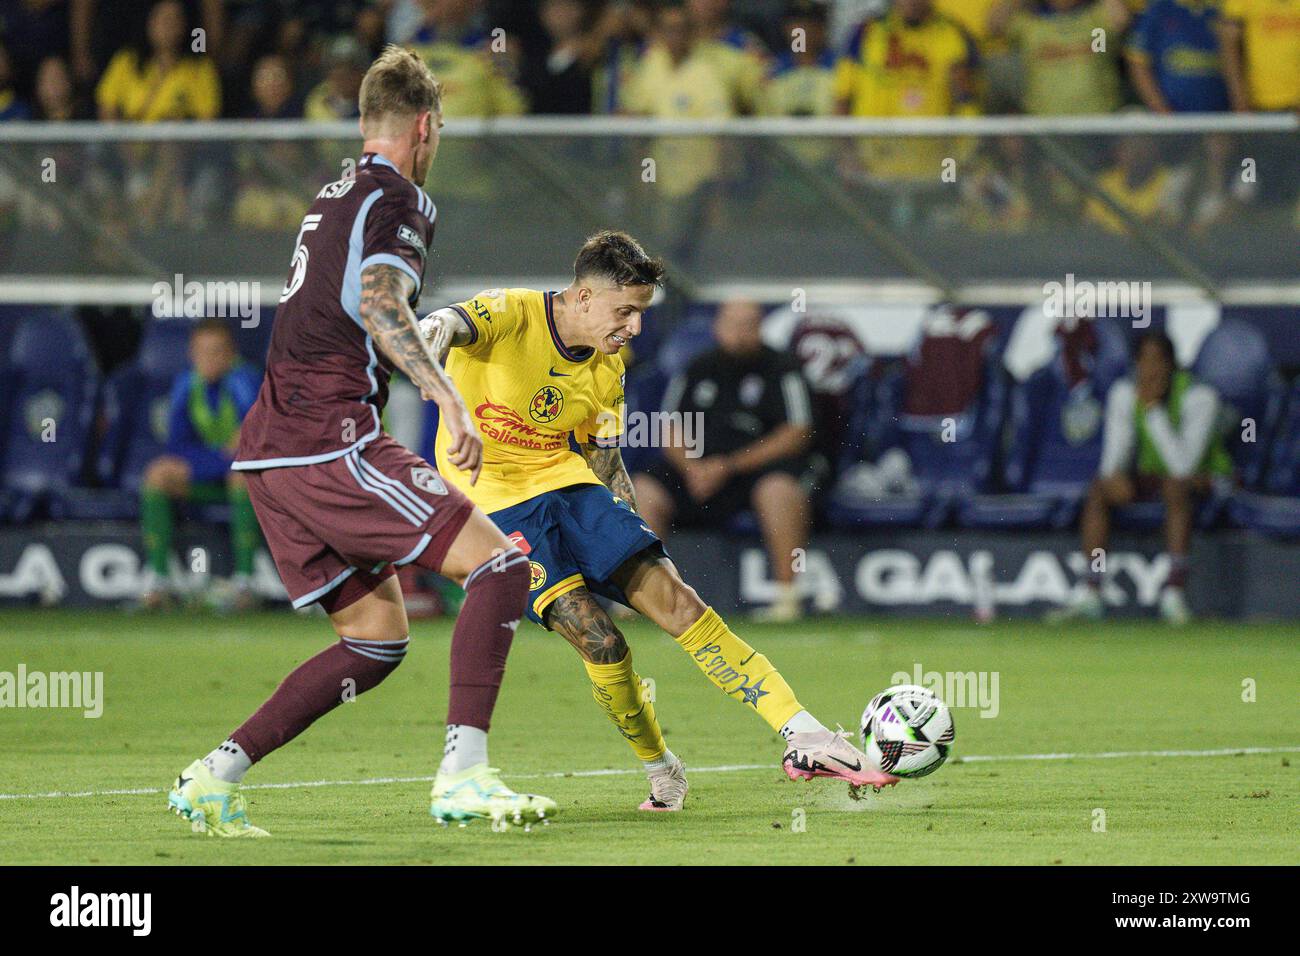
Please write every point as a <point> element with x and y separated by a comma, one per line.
<point>1271,38</point>
<point>527,393</point>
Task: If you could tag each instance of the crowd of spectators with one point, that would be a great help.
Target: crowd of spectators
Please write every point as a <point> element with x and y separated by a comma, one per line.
<point>154,60</point>
<point>147,60</point>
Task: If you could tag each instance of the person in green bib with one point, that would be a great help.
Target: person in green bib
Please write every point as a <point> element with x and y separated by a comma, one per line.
<point>1161,441</point>
<point>208,402</point>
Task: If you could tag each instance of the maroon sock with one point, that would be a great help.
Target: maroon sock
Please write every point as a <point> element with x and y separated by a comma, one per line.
<point>1177,571</point>
<point>338,673</point>
<point>495,595</point>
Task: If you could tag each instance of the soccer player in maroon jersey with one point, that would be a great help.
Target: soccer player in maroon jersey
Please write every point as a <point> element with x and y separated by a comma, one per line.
<point>340,502</point>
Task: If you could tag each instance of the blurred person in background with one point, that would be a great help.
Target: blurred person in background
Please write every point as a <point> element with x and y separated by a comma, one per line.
<point>272,89</point>
<point>678,77</point>
<point>757,433</point>
<point>801,79</point>
<point>267,196</point>
<point>12,106</point>
<point>160,79</point>
<point>739,56</point>
<point>1160,443</point>
<point>1174,60</point>
<point>1175,63</point>
<point>56,97</point>
<point>208,402</point>
<point>999,191</point>
<point>155,80</point>
<point>557,77</point>
<point>1261,53</point>
<point>368,28</point>
<point>100,31</point>
<point>336,96</point>
<point>622,33</point>
<point>1068,67</point>
<point>57,100</point>
<point>1140,183</point>
<point>674,79</point>
<point>476,81</point>
<point>913,61</point>
<point>33,30</point>
<point>1261,56</point>
<point>999,73</point>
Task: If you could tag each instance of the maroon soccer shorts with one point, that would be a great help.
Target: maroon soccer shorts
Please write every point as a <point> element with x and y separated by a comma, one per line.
<point>338,528</point>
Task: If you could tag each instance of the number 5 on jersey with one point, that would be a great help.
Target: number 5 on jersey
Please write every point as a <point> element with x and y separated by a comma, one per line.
<point>300,256</point>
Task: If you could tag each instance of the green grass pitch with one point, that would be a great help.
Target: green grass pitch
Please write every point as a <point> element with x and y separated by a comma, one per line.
<point>174,685</point>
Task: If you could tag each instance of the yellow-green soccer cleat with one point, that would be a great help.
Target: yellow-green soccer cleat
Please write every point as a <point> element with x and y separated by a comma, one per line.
<point>212,806</point>
<point>478,794</point>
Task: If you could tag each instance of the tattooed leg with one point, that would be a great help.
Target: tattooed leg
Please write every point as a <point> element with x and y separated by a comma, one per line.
<point>615,686</point>
<point>581,621</point>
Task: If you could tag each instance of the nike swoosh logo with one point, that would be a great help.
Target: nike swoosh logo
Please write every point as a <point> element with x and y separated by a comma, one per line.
<point>182,781</point>
<point>752,653</point>
<point>856,765</point>
<point>555,374</point>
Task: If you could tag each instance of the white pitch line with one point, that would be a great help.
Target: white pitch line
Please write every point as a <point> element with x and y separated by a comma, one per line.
<point>626,771</point>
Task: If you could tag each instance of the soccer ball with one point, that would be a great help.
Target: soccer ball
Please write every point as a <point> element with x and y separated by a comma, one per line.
<point>907,731</point>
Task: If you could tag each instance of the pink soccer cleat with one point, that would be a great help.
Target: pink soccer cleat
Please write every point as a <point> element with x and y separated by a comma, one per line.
<point>828,753</point>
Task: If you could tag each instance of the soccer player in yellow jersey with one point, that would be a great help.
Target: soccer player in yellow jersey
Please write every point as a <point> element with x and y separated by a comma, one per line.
<point>534,369</point>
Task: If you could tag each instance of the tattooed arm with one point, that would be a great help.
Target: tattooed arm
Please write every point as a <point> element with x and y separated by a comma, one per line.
<point>444,330</point>
<point>387,316</point>
<point>607,463</point>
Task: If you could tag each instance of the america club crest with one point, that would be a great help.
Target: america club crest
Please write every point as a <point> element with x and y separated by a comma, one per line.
<point>546,405</point>
<point>426,479</point>
<point>536,575</point>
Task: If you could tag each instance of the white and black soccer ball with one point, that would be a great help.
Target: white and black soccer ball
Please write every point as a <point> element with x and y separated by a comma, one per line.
<point>907,731</point>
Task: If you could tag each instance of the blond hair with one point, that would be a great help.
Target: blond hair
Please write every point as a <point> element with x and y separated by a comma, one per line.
<point>398,84</point>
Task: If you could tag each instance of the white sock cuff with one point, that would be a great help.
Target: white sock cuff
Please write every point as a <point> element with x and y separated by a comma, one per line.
<point>801,723</point>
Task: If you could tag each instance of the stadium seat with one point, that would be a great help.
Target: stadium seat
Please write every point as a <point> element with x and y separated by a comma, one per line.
<point>1235,360</point>
<point>1284,470</point>
<point>1277,516</point>
<point>136,405</point>
<point>951,461</point>
<point>52,383</point>
<point>1277,512</point>
<point>1054,435</point>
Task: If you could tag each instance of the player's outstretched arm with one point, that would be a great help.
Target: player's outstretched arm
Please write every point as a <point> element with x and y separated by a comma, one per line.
<point>444,330</point>
<point>387,315</point>
<point>608,465</point>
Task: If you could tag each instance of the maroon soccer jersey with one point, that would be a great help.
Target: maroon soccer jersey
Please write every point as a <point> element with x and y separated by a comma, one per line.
<point>326,383</point>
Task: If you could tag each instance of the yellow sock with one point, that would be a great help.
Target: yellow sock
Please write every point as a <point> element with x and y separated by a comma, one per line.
<point>739,670</point>
<point>617,689</point>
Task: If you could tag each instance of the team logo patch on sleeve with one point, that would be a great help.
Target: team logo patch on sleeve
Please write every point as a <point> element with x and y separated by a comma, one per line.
<point>411,238</point>
<point>426,479</point>
<point>536,575</point>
